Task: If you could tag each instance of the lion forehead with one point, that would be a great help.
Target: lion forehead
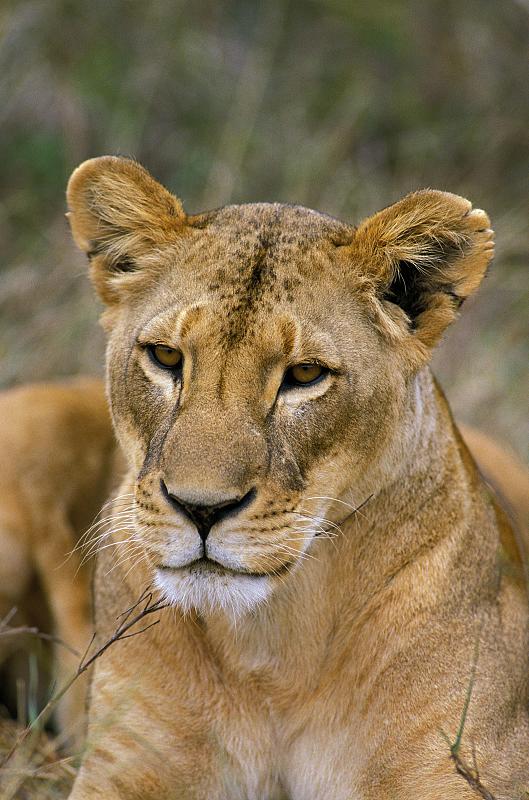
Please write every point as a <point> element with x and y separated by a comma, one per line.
<point>254,258</point>
<point>280,221</point>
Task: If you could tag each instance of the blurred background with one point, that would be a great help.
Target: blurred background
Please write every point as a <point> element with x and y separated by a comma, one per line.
<point>339,105</point>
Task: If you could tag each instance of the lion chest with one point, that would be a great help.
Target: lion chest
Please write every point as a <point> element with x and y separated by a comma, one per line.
<point>281,744</point>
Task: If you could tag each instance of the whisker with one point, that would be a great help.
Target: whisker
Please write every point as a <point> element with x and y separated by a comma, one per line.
<point>318,519</point>
<point>129,553</point>
<point>137,558</point>
<point>125,522</point>
<point>354,509</point>
<point>92,532</point>
<point>96,547</point>
<point>102,522</point>
<point>314,523</point>
<point>120,499</point>
<point>291,551</point>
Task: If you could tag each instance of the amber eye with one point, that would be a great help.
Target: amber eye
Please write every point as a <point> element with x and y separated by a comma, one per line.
<point>304,374</point>
<point>165,356</point>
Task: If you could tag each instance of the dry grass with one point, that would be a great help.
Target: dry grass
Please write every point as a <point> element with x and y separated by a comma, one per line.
<point>340,106</point>
<point>46,774</point>
<point>31,763</point>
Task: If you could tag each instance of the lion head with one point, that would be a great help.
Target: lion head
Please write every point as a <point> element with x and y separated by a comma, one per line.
<point>264,365</point>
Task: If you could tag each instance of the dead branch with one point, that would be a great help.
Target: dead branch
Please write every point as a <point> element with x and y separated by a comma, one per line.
<point>122,631</point>
<point>146,606</point>
<point>7,630</point>
<point>471,776</point>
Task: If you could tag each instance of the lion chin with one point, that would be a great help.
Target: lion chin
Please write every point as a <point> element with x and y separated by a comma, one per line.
<point>207,588</point>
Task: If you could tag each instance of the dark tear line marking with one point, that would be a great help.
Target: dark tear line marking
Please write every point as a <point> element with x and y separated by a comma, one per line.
<point>261,277</point>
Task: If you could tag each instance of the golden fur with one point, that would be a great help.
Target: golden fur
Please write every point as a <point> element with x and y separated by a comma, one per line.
<point>505,474</point>
<point>46,436</point>
<point>56,445</point>
<point>327,647</point>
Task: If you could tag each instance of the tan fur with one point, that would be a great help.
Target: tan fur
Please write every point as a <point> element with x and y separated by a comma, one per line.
<point>505,474</point>
<point>328,651</point>
<point>56,446</point>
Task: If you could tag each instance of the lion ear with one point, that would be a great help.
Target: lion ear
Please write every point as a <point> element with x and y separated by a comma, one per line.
<point>117,213</point>
<point>426,254</point>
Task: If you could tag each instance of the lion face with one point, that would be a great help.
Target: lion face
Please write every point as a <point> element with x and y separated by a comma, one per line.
<point>261,360</point>
<point>238,449</point>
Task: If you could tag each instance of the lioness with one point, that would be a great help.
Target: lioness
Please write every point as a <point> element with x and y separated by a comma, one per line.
<point>56,453</point>
<point>348,600</point>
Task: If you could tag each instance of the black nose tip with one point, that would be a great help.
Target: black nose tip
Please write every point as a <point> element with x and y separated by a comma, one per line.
<point>205,516</point>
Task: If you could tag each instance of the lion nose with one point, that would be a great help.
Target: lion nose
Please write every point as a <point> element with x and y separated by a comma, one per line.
<point>205,516</point>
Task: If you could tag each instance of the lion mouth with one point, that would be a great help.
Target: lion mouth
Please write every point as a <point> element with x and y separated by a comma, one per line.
<point>207,586</point>
<point>205,566</point>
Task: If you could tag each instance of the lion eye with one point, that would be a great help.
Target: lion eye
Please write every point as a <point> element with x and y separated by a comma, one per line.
<point>304,374</point>
<point>166,357</point>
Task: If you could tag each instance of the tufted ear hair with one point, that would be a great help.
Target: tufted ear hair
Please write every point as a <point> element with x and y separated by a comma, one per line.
<point>425,254</point>
<point>117,213</point>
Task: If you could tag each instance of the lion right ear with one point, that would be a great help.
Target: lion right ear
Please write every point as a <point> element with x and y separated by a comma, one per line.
<point>425,255</point>
<point>117,213</point>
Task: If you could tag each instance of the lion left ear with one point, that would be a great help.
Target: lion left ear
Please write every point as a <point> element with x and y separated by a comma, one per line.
<point>426,254</point>
<point>117,213</point>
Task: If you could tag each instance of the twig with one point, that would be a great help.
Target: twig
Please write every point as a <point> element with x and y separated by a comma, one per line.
<point>471,776</point>
<point>475,760</point>
<point>121,632</point>
<point>8,617</point>
<point>454,749</point>
<point>6,630</point>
